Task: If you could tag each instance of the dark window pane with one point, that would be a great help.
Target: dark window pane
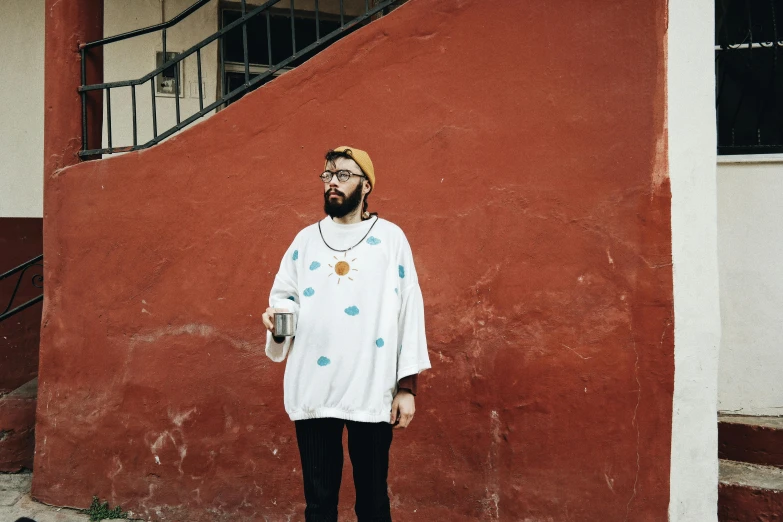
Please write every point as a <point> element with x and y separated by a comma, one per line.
<point>282,45</point>
<point>234,80</point>
<point>280,37</point>
<point>743,21</point>
<point>749,80</point>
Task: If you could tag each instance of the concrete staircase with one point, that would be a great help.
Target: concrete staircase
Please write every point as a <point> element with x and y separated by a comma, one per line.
<point>17,428</point>
<point>751,468</point>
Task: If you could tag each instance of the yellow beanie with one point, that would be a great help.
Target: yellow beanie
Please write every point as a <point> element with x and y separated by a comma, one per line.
<point>362,159</point>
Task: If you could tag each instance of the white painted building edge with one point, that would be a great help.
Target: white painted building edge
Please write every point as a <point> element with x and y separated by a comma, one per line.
<point>693,486</point>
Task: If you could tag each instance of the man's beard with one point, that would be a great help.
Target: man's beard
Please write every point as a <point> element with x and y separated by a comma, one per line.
<point>349,204</point>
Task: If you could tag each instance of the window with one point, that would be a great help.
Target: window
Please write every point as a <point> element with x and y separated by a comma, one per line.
<point>279,36</point>
<point>749,76</point>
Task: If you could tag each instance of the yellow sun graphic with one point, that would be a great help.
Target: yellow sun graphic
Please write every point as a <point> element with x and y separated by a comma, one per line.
<point>342,268</point>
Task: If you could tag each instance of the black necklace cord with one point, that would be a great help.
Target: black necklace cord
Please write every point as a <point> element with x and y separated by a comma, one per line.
<point>351,248</point>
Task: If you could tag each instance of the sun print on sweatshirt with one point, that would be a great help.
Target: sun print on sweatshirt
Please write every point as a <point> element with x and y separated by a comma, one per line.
<point>349,309</point>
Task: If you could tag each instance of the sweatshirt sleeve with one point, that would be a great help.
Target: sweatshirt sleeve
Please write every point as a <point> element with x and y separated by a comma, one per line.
<point>284,294</point>
<point>410,383</point>
<point>413,357</point>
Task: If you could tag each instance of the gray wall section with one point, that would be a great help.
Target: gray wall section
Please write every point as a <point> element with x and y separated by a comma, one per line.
<point>750,247</point>
<point>22,109</point>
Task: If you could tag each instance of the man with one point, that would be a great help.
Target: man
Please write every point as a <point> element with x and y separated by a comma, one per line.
<point>359,340</point>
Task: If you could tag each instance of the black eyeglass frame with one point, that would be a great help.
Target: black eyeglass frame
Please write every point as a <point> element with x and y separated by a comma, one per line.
<point>342,175</point>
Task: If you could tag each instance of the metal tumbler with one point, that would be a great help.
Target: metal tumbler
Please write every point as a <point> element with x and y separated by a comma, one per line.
<point>284,324</point>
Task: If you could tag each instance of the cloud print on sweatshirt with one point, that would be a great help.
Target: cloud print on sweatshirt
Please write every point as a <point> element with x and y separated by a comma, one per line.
<point>352,310</point>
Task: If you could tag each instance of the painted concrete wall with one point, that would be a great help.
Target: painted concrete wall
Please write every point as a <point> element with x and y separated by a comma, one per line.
<point>691,117</point>
<point>750,246</point>
<point>21,239</point>
<point>537,204</point>
<point>22,110</point>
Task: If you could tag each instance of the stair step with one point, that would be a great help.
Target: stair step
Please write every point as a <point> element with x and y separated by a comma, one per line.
<point>744,438</point>
<point>17,427</point>
<point>749,492</point>
<point>753,476</point>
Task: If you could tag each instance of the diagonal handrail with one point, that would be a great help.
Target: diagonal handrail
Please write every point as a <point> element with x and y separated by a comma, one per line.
<point>146,30</point>
<point>225,98</point>
<point>37,282</point>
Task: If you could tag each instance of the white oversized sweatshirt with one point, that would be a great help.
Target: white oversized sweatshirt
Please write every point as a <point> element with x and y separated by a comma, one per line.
<point>359,320</point>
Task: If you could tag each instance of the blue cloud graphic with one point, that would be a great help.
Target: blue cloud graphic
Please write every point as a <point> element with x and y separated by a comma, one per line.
<point>372,240</point>
<point>352,310</point>
<point>308,292</point>
<point>323,361</point>
<point>314,265</point>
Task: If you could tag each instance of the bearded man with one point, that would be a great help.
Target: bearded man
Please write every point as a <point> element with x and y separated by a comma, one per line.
<point>358,343</point>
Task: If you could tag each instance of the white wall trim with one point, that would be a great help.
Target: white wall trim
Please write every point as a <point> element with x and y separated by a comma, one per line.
<point>693,486</point>
<point>751,158</point>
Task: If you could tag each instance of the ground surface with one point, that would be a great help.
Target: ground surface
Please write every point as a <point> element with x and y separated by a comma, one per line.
<point>15,502</point>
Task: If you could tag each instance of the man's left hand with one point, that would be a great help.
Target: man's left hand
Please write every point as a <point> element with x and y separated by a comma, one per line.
<point>403,408</point>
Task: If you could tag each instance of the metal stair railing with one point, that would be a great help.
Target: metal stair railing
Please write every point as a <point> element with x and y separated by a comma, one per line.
<point>36,280</point>
<point>224,98</point>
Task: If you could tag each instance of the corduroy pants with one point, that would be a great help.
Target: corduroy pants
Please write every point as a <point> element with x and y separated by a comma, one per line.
<point>321,450</point>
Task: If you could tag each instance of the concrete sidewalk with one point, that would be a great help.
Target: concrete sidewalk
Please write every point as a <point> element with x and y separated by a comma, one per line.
<point>15,502</point>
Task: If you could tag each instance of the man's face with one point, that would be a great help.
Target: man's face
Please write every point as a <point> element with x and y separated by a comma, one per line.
<point>343,197</point>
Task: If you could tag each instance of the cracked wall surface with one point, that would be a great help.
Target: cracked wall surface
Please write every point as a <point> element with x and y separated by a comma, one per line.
<point>518,145</point>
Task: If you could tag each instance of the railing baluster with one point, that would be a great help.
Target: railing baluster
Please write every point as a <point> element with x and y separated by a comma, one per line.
<point>371,8</point>
<point>293,29</point>
<point>84,102</point>
<point>269,38</point>
<point>176,87</point>
<point>223,82</point>
<point>317,22</point>
<point>244,45</point>
<point>108,115</point>
<point>154,109</point>
<point>133,110</point>
<point>200,94</point>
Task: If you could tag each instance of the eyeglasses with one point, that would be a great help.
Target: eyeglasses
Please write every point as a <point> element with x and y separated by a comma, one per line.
<point>342,175</point>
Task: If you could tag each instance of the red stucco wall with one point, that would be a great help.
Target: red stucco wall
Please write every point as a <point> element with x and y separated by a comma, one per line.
<point>21,239</point>
<point>515,143</point>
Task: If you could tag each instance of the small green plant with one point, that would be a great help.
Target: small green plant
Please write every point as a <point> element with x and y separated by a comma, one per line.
<point>98,511</point>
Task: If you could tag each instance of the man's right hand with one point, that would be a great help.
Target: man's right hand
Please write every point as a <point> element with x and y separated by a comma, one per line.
<point>269,318</point>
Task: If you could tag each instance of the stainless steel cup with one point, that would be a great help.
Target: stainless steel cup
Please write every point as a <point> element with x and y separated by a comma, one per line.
<point>284,324</point>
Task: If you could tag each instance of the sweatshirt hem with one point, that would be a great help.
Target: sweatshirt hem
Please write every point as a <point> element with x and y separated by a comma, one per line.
<point>359,416</point>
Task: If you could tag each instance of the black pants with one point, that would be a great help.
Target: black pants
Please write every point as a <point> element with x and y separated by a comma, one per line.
<point>321,449</point>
